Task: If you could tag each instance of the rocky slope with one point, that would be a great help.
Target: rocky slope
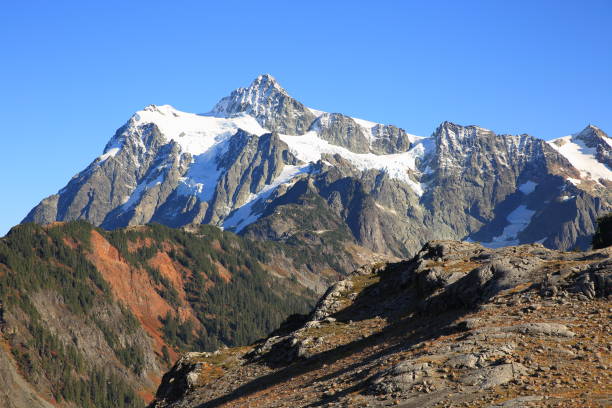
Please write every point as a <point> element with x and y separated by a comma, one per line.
<point>457,325</point>
<point>263,164</point>
<point>93,318</point>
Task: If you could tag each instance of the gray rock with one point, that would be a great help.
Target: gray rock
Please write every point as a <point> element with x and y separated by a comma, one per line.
<point>181,378</point>
<point>492,376</point>
<point>400,377</point>
<point>329,303</point>
<point>463,361</point>
<point>532,329</point>
<point>469,324</point>
<point>389,139</point>
<point>342,131</point>
<point>16,391</point>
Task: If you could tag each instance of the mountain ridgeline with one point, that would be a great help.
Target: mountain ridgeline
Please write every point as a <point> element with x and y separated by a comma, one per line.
<point>92,318</point>
<point>265,166</point>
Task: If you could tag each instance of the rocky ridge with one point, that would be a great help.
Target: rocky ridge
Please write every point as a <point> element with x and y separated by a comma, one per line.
<point>457,325</point>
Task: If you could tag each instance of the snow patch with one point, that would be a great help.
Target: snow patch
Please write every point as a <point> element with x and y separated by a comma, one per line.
<point>316,112</point>
<point>527,187</point>
<point>204,137</point>
<point>195,133</point>
<point>518,220</point>
<point>203,175</point>
<point>310,147</point>
<point>365,123</point>
<point>112,152</point>
<point>581,157</point>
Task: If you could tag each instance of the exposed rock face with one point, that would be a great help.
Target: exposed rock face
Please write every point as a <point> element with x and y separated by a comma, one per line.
<point>388,139</point>
<point>476,170</point>
<point>456,325</point>
<point>263,164</point>
<point>341,130</point>
<point>270,104</point>
<point>186,372</point>
<point>145,169</point>
<point>251,163</point>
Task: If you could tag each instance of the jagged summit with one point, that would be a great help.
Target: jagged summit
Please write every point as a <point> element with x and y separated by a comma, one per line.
<point>458,138</point>
<point>591,134</point>
<point>264,81</point>
<point>454,134</point>
<point>255,99</point>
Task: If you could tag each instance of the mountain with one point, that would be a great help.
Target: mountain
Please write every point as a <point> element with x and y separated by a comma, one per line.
<point>457,325</point>
<point>264,165</point>
<point>93,318</point>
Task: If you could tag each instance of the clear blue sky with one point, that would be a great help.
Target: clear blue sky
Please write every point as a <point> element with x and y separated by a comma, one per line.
<point>72,72</point>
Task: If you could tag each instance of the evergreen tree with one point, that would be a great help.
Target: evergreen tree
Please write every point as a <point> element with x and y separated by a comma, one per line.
<point>603,234</point>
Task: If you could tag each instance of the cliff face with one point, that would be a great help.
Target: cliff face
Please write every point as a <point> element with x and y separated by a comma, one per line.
<point>94,318</point>
<point>456,325</point>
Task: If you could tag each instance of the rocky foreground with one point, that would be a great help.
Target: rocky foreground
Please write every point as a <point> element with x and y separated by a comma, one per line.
<point>457,325</point>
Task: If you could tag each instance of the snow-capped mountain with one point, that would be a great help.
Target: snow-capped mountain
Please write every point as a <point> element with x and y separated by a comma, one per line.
<point>263,164</point>
<point>590,152</point>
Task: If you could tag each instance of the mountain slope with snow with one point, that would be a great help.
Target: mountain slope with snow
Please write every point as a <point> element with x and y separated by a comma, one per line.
<point>263,164</point>
<point>589,152</point>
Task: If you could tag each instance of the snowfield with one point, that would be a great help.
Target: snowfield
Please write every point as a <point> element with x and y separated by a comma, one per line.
<point>518,220</point>
<point>582,157</point>
<point>195,133</point>
<point>310,148</point>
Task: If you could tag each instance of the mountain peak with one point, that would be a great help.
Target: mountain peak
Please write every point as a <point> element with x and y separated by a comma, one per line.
<point>592,136</point>
<point>252,99</point>
<point>589,129</point>
<point>456,133</point>
<point>265,84</point>
<point>265,79</point>
<point>590,126</point>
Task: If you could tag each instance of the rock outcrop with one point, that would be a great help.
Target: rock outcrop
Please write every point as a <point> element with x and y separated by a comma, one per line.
<point>456,325</point>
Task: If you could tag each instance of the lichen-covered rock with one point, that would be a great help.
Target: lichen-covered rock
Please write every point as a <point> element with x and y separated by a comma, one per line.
<point>331,300</point>
<point>547,329</point>
<point>401,377</point>
<point>492,376</point>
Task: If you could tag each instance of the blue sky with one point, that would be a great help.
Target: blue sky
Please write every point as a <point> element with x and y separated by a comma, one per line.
<point>72,72</point>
